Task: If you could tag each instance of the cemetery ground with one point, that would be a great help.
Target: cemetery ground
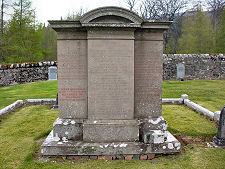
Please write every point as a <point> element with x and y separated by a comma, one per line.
<point>22,132</point>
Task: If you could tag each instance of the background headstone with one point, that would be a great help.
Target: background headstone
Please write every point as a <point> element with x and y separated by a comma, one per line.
<point>180,71</point>
<point>220,138</point>
<point>52,73</point>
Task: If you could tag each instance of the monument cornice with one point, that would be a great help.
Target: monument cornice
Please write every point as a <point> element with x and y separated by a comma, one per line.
<point>109,17</point>
<point>62,24</point>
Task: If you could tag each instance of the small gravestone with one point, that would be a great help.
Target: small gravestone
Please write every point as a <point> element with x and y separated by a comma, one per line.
<point>52,73</point>
<point>220,138</point>
<point>180,71</point>
<point>56,103</point>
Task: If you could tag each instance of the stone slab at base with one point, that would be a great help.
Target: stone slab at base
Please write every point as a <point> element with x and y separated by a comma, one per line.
<point>54,147</point>
<point>110,131</point>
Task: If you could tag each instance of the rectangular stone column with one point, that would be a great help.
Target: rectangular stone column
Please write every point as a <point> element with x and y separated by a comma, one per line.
<point>148,73</point>
<point>72,74</point>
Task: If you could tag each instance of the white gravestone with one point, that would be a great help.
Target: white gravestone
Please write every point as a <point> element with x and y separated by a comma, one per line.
<point>52,73</point>
<point>180,71</point>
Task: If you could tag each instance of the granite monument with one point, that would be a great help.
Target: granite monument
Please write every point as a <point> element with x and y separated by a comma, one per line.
<point>109,86</point>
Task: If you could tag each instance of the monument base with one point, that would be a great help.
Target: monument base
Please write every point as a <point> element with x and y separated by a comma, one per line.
<point>219,141</point>
<point>53,146</point>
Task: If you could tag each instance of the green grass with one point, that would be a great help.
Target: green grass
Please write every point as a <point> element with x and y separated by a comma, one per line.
<point>182,120</point>
<point>22,132</point>
<point>207,93</point>
<point>35,90</point>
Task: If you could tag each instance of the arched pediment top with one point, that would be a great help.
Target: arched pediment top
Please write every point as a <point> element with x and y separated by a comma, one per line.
<point>111,14</point>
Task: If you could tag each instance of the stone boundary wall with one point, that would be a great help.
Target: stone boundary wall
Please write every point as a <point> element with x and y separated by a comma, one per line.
<point>197,66</point>
<point>19,73</point>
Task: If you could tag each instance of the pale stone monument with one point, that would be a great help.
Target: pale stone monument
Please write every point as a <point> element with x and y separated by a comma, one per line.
<point>52,73</point>
<point>110,86</point>
<point>180,71</point>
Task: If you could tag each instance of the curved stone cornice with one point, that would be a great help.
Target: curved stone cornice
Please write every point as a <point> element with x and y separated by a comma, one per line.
<point>111,11</point>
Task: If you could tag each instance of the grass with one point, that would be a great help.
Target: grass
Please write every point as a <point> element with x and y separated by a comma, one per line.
<point>35,90</point>
<point>182,120</point>
<point>207,93</point>
<point>22,132</point>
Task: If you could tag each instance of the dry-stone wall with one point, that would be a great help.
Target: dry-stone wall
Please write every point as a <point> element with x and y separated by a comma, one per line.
<point>13,74</point>
<point>197,66</point>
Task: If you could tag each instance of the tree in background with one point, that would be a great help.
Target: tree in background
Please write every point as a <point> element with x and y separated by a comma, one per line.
<point>75,15</point>
<point>22,37</point>
<point>163,10</point>
<point>4,6</point>
<point>197,34</point>
<point>48,43</point>
<point>216,7</point>
<point>220,35</point>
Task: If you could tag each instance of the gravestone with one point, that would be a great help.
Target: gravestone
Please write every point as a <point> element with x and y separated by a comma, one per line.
<point>56,105</point>
<point>220,138</point>
<point>109,86</point>
<point>180,71</point>
<point>52,73</point>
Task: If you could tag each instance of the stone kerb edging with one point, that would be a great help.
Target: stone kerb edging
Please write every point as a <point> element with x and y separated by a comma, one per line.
<point>12,107</point>
<point>175,101</point>
<point>30,102</point>
<point>197,108</point>
<point>27,65</point>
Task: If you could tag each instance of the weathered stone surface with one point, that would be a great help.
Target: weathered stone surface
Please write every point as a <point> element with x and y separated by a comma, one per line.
<point>184,96</point>
<point>148,73</point>
<point>110,131</point>
<point>68,129</point>
<point>220,138</point>
<point>153,124</point>
<point>52,146</point>
<point>52,73</point>
<point>24,73</point>
<point>180,71</point>
<point>173,101</point>
<point>30,102</point>
<point>72,75</point>
<point>197,66</point>
<point>199,108</point>
<point>216,116</point>
<point>110,74</point>
<point>12,107</point>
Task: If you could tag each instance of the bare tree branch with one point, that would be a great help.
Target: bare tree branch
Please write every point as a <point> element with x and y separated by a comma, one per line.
<point>161,9</point>
<point>131,4</point>
<point>216,7</point>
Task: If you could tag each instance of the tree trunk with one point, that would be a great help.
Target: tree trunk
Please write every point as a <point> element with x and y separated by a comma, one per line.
<point>2,14</point>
